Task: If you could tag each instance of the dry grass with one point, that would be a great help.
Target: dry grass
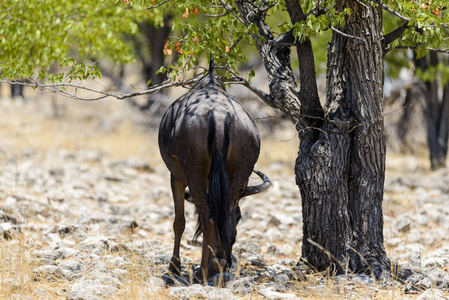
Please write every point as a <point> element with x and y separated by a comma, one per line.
<point>15,268</point>
<point>101,126</point>
<point>83,126</point>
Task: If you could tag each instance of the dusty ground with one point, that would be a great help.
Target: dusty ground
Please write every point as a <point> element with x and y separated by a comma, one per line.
<point>86,213</point>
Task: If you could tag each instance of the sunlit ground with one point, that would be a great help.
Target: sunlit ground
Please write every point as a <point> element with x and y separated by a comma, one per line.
<point>109,126</point>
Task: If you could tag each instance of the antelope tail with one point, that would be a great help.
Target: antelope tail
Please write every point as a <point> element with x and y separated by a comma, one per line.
<point>218,194</point>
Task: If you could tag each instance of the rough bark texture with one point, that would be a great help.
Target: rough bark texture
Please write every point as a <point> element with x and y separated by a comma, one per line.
<point>341,171</point>
<point>310,102</point>
<point>436,114</point>
<point>340,167</point>
<point>284,93</point>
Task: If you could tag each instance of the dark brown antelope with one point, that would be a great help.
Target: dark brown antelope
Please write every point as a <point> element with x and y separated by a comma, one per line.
<point>210,145</point>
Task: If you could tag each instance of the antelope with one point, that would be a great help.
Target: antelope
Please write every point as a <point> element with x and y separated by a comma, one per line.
<point>210,144</point>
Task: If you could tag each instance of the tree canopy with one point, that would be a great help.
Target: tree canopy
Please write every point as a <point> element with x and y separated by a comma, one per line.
<point>35,35</point>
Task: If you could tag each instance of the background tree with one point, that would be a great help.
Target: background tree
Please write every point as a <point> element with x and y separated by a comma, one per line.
<point>434,74</point>
<point>431,74</point>
<point>149,49</point>
<point>340,167</point>
<point>39,37</point>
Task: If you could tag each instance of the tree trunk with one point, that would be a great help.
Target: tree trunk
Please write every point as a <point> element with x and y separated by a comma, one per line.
<point>155,38</point>
<point>443,132</point>
<point>150,51</point>
<point>436,114</point>
<point>340,167</point>
<point>16,90</point>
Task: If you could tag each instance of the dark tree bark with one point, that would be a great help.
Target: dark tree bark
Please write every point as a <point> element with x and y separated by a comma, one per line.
<point>340,167</point>
<point>150,51</point>
<point>342,201</point>
<point>436,114</point>
<point>16,90</point>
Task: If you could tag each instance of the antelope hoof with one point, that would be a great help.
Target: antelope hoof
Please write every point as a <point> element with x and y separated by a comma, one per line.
<point>222,264</point>
<point>216,262</point>
<point>175,266</point>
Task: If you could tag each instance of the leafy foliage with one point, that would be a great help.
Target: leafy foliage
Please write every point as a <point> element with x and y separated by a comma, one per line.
<point>227,39</point>
<point>427,29</point>
<point>37,34</point>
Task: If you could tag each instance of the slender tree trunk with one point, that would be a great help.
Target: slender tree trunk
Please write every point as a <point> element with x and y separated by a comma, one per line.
<point>340,167</point>
<point>443,132</point>
<point>436,114</point>
<point>16,90</point>
<point>156,38</point>
<point>150,51</point>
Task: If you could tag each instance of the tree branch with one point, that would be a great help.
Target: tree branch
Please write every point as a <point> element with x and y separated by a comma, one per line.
<point>439,50</point>
<point>229,9</point>
<point>236,42</point>
<point>276,60</point>
<point>347,35</point>
<point>295,11</point>
<point>157,5</point>
<point>317,10</point>
<point>240,80</point>
<point>391,11</point>
<point>61,89</point>
<point>308,94</point>
<point>394,35</point>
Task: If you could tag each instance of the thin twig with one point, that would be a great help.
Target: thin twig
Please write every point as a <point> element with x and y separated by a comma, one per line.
<point>342,33</point>
<point>347,35</point>
<point>229,8</point>
<point>265,9</point>
<point>446,51</point>
<point>235,42</point>
<point>239,80</point>
<point>59,88</point>
<point>157,5</point>
<point>217,16</point>
<point>317,11</point>
<point>391,11</point>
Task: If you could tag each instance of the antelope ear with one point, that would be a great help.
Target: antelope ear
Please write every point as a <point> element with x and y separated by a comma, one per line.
<point>251,190</point>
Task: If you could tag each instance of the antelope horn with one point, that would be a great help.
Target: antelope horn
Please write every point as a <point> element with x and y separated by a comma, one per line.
<point>251,190</point>
<point>188,196</point>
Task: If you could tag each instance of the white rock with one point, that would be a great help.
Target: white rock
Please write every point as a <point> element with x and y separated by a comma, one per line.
<point>155,283</point>
<point>269,293</point>
<point>198,291</point>
<point>403,223</point>
<point>432,294</point>
<point>242,286</point>
<point>433,262</point>
<point>92,290</point>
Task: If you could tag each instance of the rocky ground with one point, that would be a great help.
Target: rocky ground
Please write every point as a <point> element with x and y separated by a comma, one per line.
<point>86,213</point>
